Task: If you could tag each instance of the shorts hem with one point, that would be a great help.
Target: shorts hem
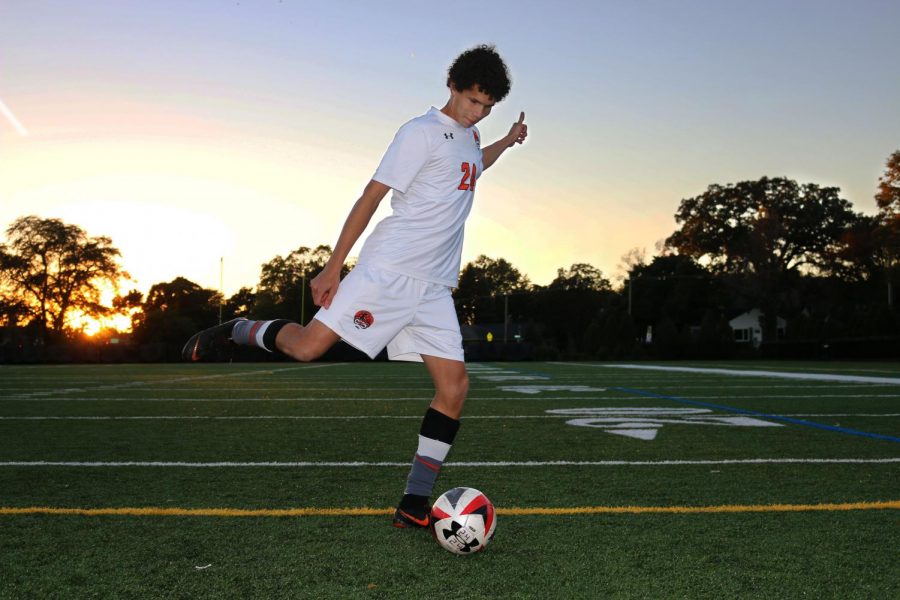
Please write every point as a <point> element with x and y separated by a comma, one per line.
<point>413,353</point>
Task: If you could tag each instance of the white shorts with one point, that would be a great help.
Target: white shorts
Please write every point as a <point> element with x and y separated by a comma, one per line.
<point>374,308</point>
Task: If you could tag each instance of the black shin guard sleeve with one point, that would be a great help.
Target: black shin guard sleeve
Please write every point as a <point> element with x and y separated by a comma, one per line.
<point>272,332</point>
<point>438,426</point>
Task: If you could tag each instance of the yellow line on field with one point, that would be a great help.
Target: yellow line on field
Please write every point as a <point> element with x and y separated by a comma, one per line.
<point>365,511</point>
<point>727,508</point>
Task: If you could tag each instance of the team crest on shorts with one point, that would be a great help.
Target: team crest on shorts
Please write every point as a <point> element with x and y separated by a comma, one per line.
<point>363,319</point>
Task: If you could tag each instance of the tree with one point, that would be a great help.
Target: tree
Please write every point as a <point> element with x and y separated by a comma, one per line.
<point>888,196</point>
<point>283,289</point>
<point>482,279</point>
<point>580,276</point>
<point>769,226</point>
<point>764,233</point>
<point>241,303</point>
<point>175,310</point>
<point>49,269</point>
<point>673,287</point>
<point>888,233</point>
<point>576,299</point>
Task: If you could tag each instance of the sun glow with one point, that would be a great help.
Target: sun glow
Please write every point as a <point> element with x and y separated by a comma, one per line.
<point>91,326</point>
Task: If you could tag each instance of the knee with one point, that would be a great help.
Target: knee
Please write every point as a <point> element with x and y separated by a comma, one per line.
<point>304,343</point>
<point>304,352</point>
<point>457,389</point>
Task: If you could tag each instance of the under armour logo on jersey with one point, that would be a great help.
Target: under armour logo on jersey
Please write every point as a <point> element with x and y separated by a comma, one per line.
<point>448,136</point>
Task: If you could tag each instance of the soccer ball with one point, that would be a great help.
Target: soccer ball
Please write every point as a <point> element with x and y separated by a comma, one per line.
<point>463,520</point>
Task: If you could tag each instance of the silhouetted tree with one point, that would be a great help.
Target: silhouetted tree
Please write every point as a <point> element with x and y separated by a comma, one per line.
<point>888,196</point>
<point>888,233</point>
<point>768,226</point>
<point>483,279</point>
<point>49,269</point>
<point>240,304</point>
<point>283,289</point>
<point>762,231</point>
<point>673,286</point>
<point>173,311</point>
<point>580,276</point>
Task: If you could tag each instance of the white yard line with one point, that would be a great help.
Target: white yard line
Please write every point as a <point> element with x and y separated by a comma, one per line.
<point>480,464</point>
<point>523,397</point>
<point>581,399</point>
<point>356,417</point>
<point>748,373</point>
<point>265,417</point>
<point>132,384</point>
<point>24,392</point>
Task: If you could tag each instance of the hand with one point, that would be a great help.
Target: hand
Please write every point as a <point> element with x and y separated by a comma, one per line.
<point>518,132</point>
<point>324,286</point>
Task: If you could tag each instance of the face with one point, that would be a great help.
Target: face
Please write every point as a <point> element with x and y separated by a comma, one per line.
<point>469,106</point>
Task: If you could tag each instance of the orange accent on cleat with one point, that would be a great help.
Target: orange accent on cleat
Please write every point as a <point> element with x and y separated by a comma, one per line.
<point>404,520</point>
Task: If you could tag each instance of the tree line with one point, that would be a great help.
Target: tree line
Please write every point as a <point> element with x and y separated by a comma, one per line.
<point>797,252</point>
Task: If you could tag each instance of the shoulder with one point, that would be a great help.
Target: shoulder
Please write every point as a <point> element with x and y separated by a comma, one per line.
<point>424,124</point>
<point>421,131</point>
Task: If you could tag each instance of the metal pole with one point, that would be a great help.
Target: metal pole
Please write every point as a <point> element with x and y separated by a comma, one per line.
<point>629,296</point>
<point>303,300</point>
<point>505,316</point>
<point>221,286</point>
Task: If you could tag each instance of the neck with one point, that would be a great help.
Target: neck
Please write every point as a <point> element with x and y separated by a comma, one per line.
<point>448,110</point>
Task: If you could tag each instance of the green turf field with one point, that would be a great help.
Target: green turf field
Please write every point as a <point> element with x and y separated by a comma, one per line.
<point>791,486</point>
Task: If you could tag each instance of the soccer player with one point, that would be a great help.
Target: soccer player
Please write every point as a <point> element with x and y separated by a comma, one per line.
<point>399,294</point>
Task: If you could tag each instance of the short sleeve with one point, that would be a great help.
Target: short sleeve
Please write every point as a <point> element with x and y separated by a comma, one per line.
<point>404,158</point>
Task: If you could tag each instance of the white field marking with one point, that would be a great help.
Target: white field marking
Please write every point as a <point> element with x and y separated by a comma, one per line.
<point>537,389</point>
<point>730,387</point>
<point>265,417</point>
<point>481,464</point>
<point>270,389</point>
<point>17,125</point>
<point>427,391</point>
<point>328,399</point>
<point>363,417</point>
<point>644,423</point>
<point>842,415</point>
<point>499,378</point>
<point>724,367</point>
<point>421,398</point>
<point>132,384</point>
<point>746,373</point>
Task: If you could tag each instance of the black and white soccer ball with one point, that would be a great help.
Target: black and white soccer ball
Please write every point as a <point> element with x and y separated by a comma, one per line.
<point>463,520</point>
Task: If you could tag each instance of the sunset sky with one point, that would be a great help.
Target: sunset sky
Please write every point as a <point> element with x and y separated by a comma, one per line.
<point>193,130</point>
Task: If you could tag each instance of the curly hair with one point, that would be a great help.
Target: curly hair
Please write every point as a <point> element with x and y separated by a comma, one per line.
<point>480,66</point>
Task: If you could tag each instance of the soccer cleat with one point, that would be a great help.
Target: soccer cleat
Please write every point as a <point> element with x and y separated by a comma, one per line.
<point>210,343</point>
<point>412,518</point>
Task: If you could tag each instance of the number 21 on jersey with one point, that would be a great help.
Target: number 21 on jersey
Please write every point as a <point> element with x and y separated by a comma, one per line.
<point>468,178</point>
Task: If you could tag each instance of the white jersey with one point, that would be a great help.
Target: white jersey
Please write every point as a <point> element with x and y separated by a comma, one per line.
<point>432,166</point>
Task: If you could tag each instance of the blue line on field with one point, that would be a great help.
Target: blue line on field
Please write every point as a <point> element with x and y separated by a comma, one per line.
<point>755,413</point>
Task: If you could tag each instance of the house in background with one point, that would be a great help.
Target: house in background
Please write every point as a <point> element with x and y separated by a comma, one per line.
<point>748,330</point>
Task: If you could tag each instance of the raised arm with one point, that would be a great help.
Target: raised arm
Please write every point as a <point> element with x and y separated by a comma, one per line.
<point>325,284</point>
<point>517,134</point>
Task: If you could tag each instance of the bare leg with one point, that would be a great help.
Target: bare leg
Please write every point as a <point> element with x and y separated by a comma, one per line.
<point>451,384</point>
<point>305,343</point>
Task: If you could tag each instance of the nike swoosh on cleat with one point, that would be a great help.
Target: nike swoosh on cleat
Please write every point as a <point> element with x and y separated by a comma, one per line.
<point>420,522</point>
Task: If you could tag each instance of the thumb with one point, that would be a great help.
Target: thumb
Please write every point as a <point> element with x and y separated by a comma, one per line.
<point>521,118</point>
